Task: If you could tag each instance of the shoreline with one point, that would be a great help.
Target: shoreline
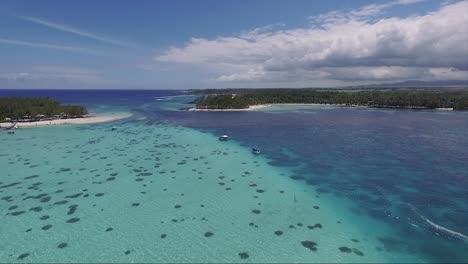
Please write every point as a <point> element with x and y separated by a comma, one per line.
<point>252,107</point>
<point>261,106</point>
<point>69,121</point>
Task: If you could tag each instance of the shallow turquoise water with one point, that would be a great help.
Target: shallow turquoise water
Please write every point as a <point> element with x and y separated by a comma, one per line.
<point>131,181</point>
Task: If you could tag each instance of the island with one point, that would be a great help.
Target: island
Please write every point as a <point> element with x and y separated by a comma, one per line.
<point>35,111</point>
<point>247,99</point>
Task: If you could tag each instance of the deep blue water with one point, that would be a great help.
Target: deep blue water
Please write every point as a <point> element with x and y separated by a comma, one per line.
<point>396,165</point>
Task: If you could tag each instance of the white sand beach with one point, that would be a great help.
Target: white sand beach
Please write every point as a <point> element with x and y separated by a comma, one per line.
<point>261,106</point>
<point>252,107</point>
<point>71,121</point>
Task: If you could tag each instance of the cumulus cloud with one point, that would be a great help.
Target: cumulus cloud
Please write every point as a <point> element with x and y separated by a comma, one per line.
<point>433,46</point>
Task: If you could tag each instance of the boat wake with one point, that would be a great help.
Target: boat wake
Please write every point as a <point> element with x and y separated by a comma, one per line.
<point>438,227</point>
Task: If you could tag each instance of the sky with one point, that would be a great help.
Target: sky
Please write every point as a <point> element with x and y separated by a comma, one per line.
<point>155,44</point>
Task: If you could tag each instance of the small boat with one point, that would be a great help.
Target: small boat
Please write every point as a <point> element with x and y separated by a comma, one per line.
<point>256,151</point>
<point>114,128</point>
<point>10,132</point>
<point>223,138</point>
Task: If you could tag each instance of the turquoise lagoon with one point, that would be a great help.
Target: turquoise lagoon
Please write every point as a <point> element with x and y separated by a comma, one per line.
<point>162,188</point>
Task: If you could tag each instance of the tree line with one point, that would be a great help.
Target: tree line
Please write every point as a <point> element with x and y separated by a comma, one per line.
<point>243,98</point>
<point>17,108</point>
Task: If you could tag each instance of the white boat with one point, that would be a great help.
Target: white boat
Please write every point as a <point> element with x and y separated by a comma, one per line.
<point>223,138</point>
<point>256,151</point>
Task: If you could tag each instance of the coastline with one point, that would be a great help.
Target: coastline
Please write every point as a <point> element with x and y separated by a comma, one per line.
<point>70,121</point>
<point>252,107</point>
<point>261,106</point>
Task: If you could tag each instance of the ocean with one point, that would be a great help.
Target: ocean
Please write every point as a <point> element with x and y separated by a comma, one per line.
<point>333,184</point>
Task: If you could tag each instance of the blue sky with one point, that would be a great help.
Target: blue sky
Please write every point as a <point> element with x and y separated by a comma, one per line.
<point>210,44</point>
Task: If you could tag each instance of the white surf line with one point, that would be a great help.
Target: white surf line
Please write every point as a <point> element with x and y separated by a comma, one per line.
<point>438,227</point>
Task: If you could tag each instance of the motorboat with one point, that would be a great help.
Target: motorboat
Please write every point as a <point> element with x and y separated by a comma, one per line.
<point>223,138</point>
<point>256,151</point>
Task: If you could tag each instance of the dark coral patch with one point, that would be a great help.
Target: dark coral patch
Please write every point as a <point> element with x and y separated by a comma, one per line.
<point>314,226</point>
<point>36,209</point>
<point>62,245</point>
<point>127,252</point>
<point>72,209</point>
<point>46,227</point>
<point>209,234</point>
<point>163,235</point>
<point>135,204</point>
<point>13,207</point>
<point>44,217</point>
<point>22,256</point>
<point>177,206</point>
<point>316,207</point>
<point>358,252</point>
<point>61,202</point>
<point>345,249</point>
<point>256,211</point>
<point>74,195</point>
<point>73,220</point>
<point>244,255</point>
<point>310,245</point>
<point>17,213</point>
<point>260,191</point>
<point>99,194</point>
<point>31,177</point>
<point>278,233</point>
<point>109,229</point>
<point>45,199</point>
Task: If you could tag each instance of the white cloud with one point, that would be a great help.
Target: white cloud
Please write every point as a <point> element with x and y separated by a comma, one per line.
<point>430,46</point>
<point>364,13</point>
<point>407,2</point>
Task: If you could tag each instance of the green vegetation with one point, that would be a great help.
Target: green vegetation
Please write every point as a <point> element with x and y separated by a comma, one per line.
<point>412,99</point>
<point>23,108</point>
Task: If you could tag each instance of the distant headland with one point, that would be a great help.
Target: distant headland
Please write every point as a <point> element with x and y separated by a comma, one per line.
<point>249,99</point>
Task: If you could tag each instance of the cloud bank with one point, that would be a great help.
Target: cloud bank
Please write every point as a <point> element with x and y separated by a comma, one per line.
<point>340,47</point>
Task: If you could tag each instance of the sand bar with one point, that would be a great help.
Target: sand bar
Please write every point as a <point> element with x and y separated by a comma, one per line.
<point>70,121</point>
